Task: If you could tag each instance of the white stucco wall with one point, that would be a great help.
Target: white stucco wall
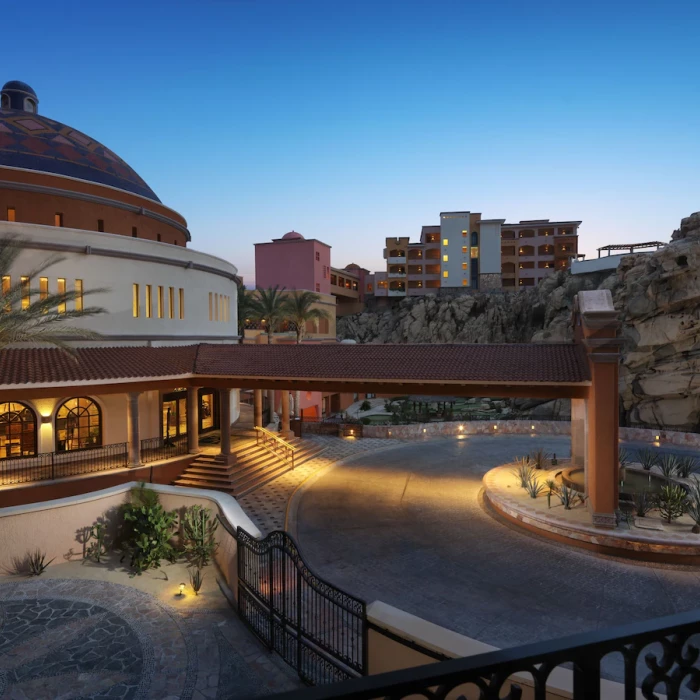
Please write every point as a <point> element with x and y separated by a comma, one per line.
<point>119,272</point>
<point>451,227</point>
<point>490,248</point>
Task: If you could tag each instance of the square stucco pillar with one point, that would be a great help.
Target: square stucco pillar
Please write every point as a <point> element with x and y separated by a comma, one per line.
<point>193,420</point>
<point>133,430</point>
<point>578,432</point>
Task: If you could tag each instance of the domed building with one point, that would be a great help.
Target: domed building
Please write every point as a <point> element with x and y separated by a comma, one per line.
<point>67,195</point>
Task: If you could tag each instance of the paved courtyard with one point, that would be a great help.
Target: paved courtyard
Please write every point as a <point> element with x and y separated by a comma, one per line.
<point>406,526</point>
<point>83,638</point>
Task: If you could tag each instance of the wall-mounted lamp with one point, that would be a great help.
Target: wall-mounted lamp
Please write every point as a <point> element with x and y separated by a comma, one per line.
<point>46,419</point>
<point>495,427</point>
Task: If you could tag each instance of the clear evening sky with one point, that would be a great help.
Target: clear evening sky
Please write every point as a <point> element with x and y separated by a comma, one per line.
<point>351,120</point>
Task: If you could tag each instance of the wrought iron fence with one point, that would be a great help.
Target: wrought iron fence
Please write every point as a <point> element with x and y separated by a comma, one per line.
<point>158,448</point>
<point>317,628</point>
<point>56,465</point>
<point>659,656</point>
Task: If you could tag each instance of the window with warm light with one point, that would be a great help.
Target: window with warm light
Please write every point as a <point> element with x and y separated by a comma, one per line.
<point>26,300</point>
<point>464,266</point>
<point>6,285</point>
<point>464,249</point>
<point>135,300</point>
<point>464,234</point>
<point>445,258</point>
<point>182,304</point>
<point>464,282</point>
<point>445,241</point>
<point>475,252</point>
<point>58,219</point>
<point>161,302</point>
<point>149,307</point>
<point>11,214</point>
<point>445,274</point>
<point>43,288</point>
<point>171,302</point>
<point>61,289</point>
<point>216,307</point>
<point>78,295</point>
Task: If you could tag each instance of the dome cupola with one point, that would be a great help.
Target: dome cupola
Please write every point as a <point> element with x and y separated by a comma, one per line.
<point>19,96</point>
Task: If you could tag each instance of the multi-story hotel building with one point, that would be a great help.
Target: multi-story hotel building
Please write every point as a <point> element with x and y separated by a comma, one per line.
<point>466,251</point>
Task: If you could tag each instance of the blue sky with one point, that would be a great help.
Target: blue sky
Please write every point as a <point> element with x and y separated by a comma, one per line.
<point>352,121</point>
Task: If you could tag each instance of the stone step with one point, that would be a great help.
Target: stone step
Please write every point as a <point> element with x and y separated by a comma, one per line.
<point>202,485</point>
<point>208,478</point>
<point>224,471</point>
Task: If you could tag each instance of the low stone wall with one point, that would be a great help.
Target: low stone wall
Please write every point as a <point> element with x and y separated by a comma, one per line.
<point>481,427</point>
<point>664,437</point>
<point>58,527</point>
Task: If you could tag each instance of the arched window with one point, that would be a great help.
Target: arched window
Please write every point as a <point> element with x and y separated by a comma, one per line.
<point>17,430</point>
<point>475,238</point>
<point>78,425</point>
<point>5,102</point>
<point>29,105</point>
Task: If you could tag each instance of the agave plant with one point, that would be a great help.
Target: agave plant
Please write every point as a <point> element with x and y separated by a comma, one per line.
<point>552,486</point>
<point>672,502</point>
<point>668,464</point>
<point>523,471</point>
<point>534,487</point>
<point>36,561</point>
<point>568,496</point>
<point>693,504</point>
<point>643,503</point>
<point>648,458</point>
<point>196,580</point>
<point>539,458</point>
<point>624,457</point>
<point>686,466</point>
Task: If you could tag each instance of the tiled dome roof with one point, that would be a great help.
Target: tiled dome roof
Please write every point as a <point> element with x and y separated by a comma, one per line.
<point>34,142</point>
<point>292,235</point>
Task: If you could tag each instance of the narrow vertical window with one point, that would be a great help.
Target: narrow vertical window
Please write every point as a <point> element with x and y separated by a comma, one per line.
<point>58,219</point>
<point>43,288</point>
<point>171,302</point>
<point>6,286</point>
<point>78,295</point>
<point>134,232</point>
<point>149,302</point>
<point>101,225</point>
<point>182,304</point>
<point>216,307</point>
<point>26,300</point>
<point>158,238</point>
<point>160,302</point>
<point>211,307</point>
<point>11,214</point>
<point>135,302</point>
<point>61,291</point>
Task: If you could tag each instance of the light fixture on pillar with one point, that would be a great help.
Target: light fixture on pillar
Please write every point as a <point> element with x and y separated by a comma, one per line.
<point>495,427</point>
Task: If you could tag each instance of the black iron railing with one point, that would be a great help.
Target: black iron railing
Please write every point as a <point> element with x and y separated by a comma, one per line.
<point>659,656</point>
<point>56,465</point>
<point>158,448</point>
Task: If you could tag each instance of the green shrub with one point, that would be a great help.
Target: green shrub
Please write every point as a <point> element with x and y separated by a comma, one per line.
<point>648,458</point>
<point>693,505</point>
<point>365,405</point>
<point>198,531</point>
<point>672,502</point>
<point>686,466</point>
<point>97,549</point>
<point>147,530</point>
<point>643,503</point>
<point>366,420</point>
<point>668,464</point>
<point>196,580</point>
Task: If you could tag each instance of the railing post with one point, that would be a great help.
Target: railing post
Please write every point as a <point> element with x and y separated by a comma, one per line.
<point>270,580</point>
<point>587,679</point>
<point>299,621</point>
<point>53,466</point>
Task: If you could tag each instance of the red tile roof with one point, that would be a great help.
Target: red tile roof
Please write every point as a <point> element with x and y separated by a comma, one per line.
<point>545,363</point>
<point>539,363</point>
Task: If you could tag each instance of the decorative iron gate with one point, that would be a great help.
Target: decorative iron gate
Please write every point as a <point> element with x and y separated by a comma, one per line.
<point>318,629</point>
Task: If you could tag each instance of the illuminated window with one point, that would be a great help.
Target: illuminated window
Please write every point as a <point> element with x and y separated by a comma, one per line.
<point>78,295</point>
<point>369,287</point>
<point>464,282</point>
<point>475,252</point>
<point>464,266</point>
<point>171,300</point>
<point>464,249</point>
<point>61,290</point>
<point>211,307</point>
<point>101,225</point>
<point>216,307</point>
<point>26,300</point>
<point>445,241</point>
<point>58,219</point>
<point>6,285</point>
<point>78,425</point>
<point>445,258</point>
<point>182,303</point>
<point>445,274</point>
<point>149,303</point>
<point>43,288</point>
<point>161,302</point>
<point>464,233</point>
<point>11,214</point>
<point>135,300</point>
<point>17,430</point>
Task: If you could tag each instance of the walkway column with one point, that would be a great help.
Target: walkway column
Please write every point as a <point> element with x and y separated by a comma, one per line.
<point>297,404</point>
<point>133,432</point>
<point>285,432</point>
<point>225,455</point>
<point>257,408</point>
<point>193,419</point>
<point>596,326</point>
<point>271,404</point>
<point>578,432</point>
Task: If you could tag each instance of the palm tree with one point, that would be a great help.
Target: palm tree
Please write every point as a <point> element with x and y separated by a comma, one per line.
<point>299,309</point>
<point>245,306</point>
<point>269,307</point>
<point>34,315</point>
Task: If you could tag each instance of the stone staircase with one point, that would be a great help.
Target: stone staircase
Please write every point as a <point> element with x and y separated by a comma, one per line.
<point>255,465</point>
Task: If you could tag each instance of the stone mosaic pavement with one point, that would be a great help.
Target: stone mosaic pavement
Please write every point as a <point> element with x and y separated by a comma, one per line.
<point>79,638</point>
<point>407,527</point>
<point>267,505</point>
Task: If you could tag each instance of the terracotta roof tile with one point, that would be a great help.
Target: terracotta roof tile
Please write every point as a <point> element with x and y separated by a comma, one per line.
<point>547,363</point>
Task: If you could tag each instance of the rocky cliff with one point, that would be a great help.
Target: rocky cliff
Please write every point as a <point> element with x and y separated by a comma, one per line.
<point>657,295</point>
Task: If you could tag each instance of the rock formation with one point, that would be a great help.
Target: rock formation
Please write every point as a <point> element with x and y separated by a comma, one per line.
<point>657,294</point>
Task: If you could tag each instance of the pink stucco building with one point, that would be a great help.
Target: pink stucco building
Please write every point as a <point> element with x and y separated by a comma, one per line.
<point>293,262</point>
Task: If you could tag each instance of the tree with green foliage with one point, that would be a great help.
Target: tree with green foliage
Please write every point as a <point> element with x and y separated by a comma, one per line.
<point>299,308</point>
<point>269,307</point>
<point>34,315</point>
